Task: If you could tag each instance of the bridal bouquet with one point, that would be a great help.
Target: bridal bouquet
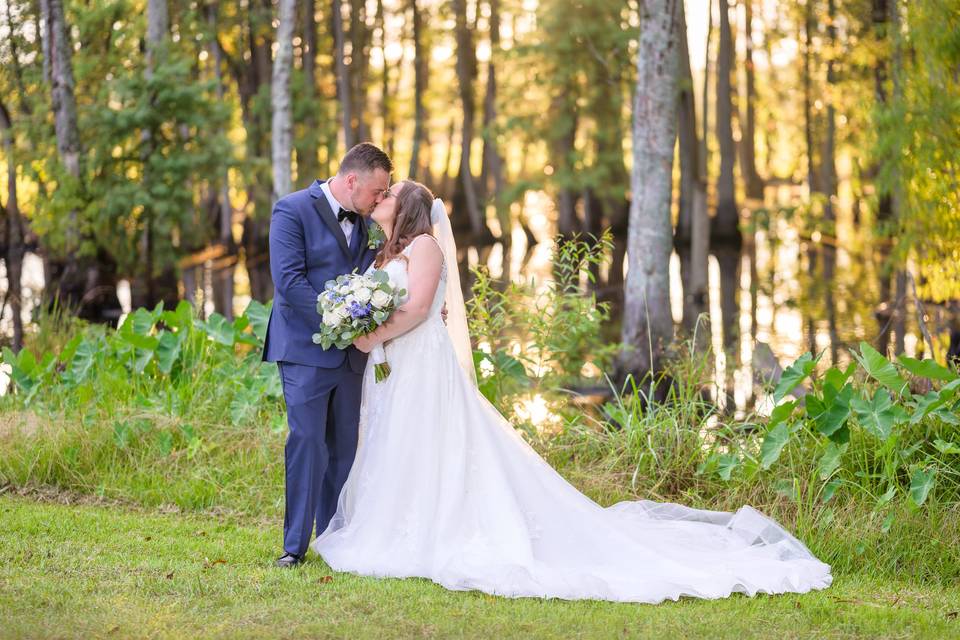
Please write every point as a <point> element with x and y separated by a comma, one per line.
<point>354,305</point>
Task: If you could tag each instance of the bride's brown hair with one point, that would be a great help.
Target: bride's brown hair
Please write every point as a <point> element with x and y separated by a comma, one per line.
<point>411,219</point>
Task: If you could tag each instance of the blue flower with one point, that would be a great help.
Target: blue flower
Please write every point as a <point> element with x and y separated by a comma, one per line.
<point>358,310</point>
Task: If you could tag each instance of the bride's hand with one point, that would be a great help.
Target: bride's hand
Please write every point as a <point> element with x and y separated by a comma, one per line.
<point>365,343</point>
<point>443,313</point>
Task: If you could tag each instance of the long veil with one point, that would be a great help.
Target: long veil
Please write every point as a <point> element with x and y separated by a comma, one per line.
<point>456,309</point>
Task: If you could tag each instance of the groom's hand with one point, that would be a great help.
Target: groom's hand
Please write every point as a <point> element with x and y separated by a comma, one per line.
<point>364,343</point>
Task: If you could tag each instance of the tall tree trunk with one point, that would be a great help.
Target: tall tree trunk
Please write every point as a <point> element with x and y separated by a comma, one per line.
<point>466,72</point>
<point>896,192</point>
<point>156,283</point>
<point>65,273</point>
<point>647,322</point>
<point>691,239</point>
<point>492,170</point>
<point>564,112</point>
<point>343,76</point>
<point>359,66</point>
<point>308,145</point>
<point>748,138</point>
<point>251,76</point>
<point>808,26</point>
<point>421,61</point>
<point>726,224</point>
<point>82,283</point>
<point>880,15</point>
<point>222,279</point>
<point>13,232</point>
<point>828,163</point>
<point>281,138</point>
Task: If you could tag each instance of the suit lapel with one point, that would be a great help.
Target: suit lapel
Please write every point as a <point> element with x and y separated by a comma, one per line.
<point>330,219</point>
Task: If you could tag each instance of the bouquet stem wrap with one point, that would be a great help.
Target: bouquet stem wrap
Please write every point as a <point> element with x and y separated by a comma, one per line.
<point>381,369</point>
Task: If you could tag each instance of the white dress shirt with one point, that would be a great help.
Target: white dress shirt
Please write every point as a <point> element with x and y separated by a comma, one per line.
<point>335,206</point>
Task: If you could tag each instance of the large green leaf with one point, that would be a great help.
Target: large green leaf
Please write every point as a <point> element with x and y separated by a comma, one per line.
<point>773,444</point>
<point>836,377</point>
<point>921,482</point>
<point>142,359</point>
<point>947,448</point>
<point>168,350</point>
<point>830,460</point>
<point>136,329</point>
<point>879,368</point>
<point>781,412</point>
<point>22,367</point>
<point>726,464</point>
<point>830,489</point>
<point>218,328</point>
<point>180,318</point>
<point>82,361</point>
<point>259,316</point>
<point>876,415</point>
<point>244,401</point>
<point>794,375</point>
<point>836,410</point>
<point>140,321</point>
<point>926,368</point>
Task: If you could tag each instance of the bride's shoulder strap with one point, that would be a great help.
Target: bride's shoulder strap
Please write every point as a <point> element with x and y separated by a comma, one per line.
<point>425,235</point>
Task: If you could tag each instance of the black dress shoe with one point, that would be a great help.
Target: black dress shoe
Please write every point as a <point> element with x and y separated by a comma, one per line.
<point>288,560</point>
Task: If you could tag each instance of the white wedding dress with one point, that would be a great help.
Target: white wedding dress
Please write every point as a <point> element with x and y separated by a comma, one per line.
<point>444,488</point>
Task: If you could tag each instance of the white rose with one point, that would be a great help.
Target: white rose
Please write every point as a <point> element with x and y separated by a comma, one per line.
<point>344,290</point>
<point>380,299</point>
<point>363,295</point>
<point>330,319</point>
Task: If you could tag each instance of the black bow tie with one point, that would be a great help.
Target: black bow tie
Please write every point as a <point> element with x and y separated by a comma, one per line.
<point>343,214</point>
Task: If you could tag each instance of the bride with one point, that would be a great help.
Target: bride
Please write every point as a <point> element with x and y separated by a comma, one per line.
<point>444,488</point>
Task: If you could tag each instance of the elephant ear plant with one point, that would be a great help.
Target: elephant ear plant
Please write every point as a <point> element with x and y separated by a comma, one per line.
<point>859,429</point>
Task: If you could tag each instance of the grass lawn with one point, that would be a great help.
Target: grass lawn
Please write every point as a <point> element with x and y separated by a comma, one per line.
<point>101,571</point>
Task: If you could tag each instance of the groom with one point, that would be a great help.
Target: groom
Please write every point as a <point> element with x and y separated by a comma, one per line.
<point>315,235</point>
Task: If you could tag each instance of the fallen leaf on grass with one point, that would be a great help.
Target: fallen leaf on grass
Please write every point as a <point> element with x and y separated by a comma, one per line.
<point>170,576</point>
<point>952,615</point>
<point>207,563</point>
<point>326,579</point>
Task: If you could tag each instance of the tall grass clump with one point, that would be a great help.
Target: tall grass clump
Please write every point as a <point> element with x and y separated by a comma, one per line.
<point>166,408</point>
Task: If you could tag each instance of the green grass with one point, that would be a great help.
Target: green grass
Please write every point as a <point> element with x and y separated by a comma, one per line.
<point>83,571</point>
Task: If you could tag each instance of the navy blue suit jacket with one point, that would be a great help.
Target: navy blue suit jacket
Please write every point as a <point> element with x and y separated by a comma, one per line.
<point>308,248</point>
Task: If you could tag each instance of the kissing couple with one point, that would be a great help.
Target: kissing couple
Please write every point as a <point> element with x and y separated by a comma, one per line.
<point>418,475</point>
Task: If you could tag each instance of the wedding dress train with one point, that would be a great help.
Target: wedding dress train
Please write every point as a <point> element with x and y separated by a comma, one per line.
<point>443,487</point>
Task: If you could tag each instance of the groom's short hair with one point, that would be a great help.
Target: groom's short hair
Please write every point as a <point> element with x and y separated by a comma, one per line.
<point>365,157</point>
